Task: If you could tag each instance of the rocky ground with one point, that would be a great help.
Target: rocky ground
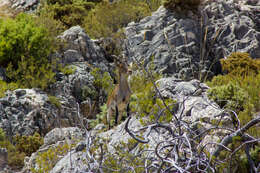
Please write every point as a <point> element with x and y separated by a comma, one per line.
<point>178,51</point>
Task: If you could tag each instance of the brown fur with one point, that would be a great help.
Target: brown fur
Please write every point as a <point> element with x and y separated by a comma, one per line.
<point>120,96</point>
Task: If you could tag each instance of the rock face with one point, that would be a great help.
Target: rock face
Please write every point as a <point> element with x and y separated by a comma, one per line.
<point>177,41</point>
<point>24,5</point>
<point>81,48</point>
<point>57,137</point>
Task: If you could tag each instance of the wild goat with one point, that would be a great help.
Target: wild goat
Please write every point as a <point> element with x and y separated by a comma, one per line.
<point>119,98</point>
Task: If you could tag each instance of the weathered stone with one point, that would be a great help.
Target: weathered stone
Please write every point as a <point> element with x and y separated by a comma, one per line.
<point>177,42</point>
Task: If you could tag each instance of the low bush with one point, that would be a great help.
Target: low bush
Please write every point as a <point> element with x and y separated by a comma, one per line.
<point>4,86</point>
<point>20,147</point>
<point>32,73</point>
<point>107,18</point>
<point>68,13</point>
<point>238,89</point>
<point>21,37</point>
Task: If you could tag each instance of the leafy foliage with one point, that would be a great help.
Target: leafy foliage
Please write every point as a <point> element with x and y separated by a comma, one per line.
<point>32,73</point>
<point>67,70</point>
<point>55,101</point>
<point>69,13</point>
<point>28,144</point>
<point>102,80</point>
<point>99,117</point>
<point>231,96</point>
<point>4,86</point>
<point>107,18</point>
<point>181,5</point>
<point>240,64</point>
<point>47,160</point>
<point>21,37</point>
<point>239,88</point>
<point>22,146</point>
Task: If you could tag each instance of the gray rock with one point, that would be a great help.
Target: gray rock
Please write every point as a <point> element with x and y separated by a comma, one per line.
<point>60,134</point>
<point>25,5</point>
<point>56,138</point>
<point>3,158</point>
<point>81,48</point>
<point>176,42</point>
<point>191,96</point>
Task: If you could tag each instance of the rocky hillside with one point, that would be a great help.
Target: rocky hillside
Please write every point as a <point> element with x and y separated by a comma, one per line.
<point>195,90</point>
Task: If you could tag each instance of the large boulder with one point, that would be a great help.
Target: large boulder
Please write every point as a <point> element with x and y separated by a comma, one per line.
<point>191,45</point>
<point>79,47</point>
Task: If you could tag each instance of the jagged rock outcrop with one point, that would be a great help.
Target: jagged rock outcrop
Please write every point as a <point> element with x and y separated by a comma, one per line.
<point>26,111</point>
<point>24,5</point>
<point>177,41</point>
<point>81,48</point>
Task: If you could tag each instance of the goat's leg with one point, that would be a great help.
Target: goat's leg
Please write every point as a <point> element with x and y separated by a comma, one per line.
<point>117,116</point>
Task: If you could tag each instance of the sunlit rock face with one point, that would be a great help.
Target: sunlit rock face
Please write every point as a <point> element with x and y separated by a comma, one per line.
<point>191,45</point>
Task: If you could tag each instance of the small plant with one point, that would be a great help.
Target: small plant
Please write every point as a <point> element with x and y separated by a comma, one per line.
<point>67,70</point>
<point>231,96</point>
<point>4,86</point>
<point>22,146</point>
<point>99,117</point>
<point>144,99</point>
<point>28,144</point>
<point>107,18</point>
<point>55,101</point>
<point>103,80</point>
<point>21,37</point>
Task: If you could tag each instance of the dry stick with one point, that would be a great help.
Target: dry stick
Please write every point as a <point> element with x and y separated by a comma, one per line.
<point>238,148</point>
<point>228,139</point>
<point>251,162</point>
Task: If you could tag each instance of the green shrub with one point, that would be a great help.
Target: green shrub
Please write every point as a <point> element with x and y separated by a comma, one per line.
<point>240,64</point>
<point>100,117</point>
<point>70,12</point>
<point>107,18</point>
<point>67,70</point>
<point>55,101</point>
<point>16,159</point>
<point>231,96</point>
<point>28,144</point>
<point>23,146</point>
<point>102,80</point>
<point>4,86</point>
<point>239,87</point>
<point>47,160</point>
<point>181,5</point>
<point>21,37</point>
<point>32,73</point>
